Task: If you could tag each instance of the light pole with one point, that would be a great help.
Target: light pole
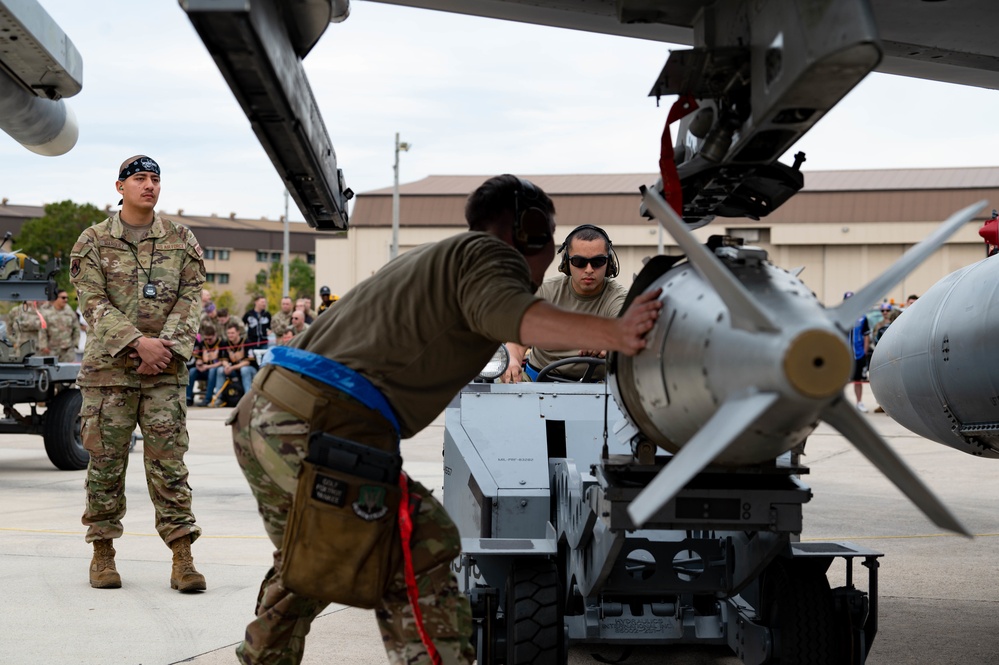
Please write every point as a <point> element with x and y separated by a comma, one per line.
<point>287,250</point>
<point>395,197</point>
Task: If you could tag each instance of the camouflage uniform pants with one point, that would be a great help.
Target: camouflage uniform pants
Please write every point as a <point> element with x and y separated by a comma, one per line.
<point>270,445</point>
<point>65,355</point>
<point>108,418</point>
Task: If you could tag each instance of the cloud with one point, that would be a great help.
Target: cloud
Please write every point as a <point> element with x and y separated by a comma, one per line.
<point>473,96</point>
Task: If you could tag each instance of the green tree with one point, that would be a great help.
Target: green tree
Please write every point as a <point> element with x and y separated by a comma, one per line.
<point>54,234</point>
<point>225,300</point>
<point>270,283</point>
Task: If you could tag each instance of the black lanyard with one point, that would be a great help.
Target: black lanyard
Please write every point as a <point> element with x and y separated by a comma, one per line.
<point>149,290</point>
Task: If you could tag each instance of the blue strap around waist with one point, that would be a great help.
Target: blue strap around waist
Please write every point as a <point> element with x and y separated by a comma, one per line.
<point>531,372</point>
<point>333,374</point>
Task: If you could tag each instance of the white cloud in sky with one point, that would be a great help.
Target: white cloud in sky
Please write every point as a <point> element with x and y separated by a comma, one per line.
<point>473,96</point>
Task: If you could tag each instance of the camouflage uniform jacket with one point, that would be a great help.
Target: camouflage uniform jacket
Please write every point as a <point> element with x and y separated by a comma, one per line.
<point>109,273</point>
<point>62,331</point>
<point>25,324</point>
<point>232,319</point>
<point>280,322</point>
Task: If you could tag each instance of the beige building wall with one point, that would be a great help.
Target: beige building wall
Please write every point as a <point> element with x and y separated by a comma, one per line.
<point>843,228</point>
<point>834,261</point>
<point>236,272</point>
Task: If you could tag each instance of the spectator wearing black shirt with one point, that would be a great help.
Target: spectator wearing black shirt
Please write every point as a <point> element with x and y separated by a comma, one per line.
<point>258,324</point>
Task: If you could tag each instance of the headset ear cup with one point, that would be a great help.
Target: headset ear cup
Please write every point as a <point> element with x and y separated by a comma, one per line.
<point>563,264</point>
<point>612,269</point>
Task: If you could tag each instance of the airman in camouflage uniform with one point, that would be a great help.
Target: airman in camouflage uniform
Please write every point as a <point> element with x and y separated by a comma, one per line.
<point>270,444</point>
<point>139,279</point>
<point>224,319</point>
<point>281,321</point>
<point>375,374</point>
<point>61,335</point>
<point>26,324</point>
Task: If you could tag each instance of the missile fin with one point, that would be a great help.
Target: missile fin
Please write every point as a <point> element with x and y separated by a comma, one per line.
<point>733,418</point>
<point>844,418</point>
<point>846,314</point>
<point>746,313</point>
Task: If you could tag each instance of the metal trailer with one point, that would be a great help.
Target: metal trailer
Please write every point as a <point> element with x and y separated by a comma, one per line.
<point>539,485</point>
<point>27,380</point>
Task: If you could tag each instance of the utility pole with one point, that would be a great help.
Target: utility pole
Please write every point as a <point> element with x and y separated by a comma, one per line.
<point>395,197</point>
<point>287,250</point>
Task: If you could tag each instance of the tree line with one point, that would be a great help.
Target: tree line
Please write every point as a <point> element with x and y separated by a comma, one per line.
<point>53,235</point>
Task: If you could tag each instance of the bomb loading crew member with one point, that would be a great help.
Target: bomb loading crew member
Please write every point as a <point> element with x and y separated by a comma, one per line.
<point>586,285</point>
<point>139,279</point>
<point>373,374</point>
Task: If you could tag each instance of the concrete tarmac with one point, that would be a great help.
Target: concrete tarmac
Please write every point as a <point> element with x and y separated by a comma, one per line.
<point>939,593</point>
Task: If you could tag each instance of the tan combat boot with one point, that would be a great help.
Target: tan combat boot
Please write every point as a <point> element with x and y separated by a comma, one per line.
<point>103,574</point>
<point>184,577</point>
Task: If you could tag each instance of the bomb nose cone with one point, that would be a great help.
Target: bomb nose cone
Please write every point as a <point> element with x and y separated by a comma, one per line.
<point>818,363</point>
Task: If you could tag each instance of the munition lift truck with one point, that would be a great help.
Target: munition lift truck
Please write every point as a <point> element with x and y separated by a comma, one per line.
<point>538,477</point>
<point>28,380</point>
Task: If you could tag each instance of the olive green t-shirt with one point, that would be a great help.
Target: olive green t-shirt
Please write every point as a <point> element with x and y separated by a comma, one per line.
<point>558,291</point>
<point>425,325</point>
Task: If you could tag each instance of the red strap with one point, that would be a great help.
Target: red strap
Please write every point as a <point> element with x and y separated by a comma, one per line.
<point>672,191</point>
<point>40,317</point>
<point>990,231</point>
<point>406,532</point>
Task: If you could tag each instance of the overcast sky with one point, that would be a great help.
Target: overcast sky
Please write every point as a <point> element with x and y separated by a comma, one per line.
<point>472,96</point>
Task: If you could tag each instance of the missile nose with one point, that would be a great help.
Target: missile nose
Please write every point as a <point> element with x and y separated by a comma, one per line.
<point>818,363</point>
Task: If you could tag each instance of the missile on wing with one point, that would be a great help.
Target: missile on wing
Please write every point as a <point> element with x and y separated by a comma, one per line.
<point>38,67</point>
<point>936,371</point>
<point>744,362</point>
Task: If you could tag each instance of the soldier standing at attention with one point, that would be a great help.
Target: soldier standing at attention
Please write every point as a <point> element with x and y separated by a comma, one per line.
<point>62,334</point>
<point>139,279</point>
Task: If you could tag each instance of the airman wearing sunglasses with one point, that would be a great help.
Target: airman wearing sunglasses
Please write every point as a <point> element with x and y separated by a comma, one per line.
<point>588,265</point>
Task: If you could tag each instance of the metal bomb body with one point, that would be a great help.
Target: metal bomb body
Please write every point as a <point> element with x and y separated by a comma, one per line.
<point>743,362</point>
<point>696,360</point>
<point>935,370</point>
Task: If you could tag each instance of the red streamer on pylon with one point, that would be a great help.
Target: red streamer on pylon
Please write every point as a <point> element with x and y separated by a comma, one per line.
<point>672,191</point>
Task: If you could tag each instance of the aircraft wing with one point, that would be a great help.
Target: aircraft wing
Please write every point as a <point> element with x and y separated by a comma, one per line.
<point>941,41</point>
<point>39,66</point>
<point>758,77</point>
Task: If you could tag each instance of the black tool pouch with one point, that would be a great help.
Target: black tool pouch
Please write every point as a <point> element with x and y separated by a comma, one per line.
<point>338,544</point>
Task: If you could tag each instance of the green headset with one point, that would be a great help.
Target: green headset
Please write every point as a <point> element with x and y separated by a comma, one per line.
<point>612,264</point>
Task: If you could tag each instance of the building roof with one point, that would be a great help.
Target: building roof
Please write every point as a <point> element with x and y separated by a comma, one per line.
<point>628,183</point>
<point>902,179</point>
<point>212,231</point>
<point>855,196</point>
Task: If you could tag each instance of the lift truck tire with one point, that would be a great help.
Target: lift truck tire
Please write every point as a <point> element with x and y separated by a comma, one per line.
<point>63,443</point>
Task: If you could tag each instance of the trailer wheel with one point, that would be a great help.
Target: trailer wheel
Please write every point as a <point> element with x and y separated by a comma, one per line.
<point>798,607</point>
<point>535,634</point>
<point>61,431</point>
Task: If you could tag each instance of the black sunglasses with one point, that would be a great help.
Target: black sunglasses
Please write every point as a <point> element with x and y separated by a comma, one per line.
<point>595,261</point>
